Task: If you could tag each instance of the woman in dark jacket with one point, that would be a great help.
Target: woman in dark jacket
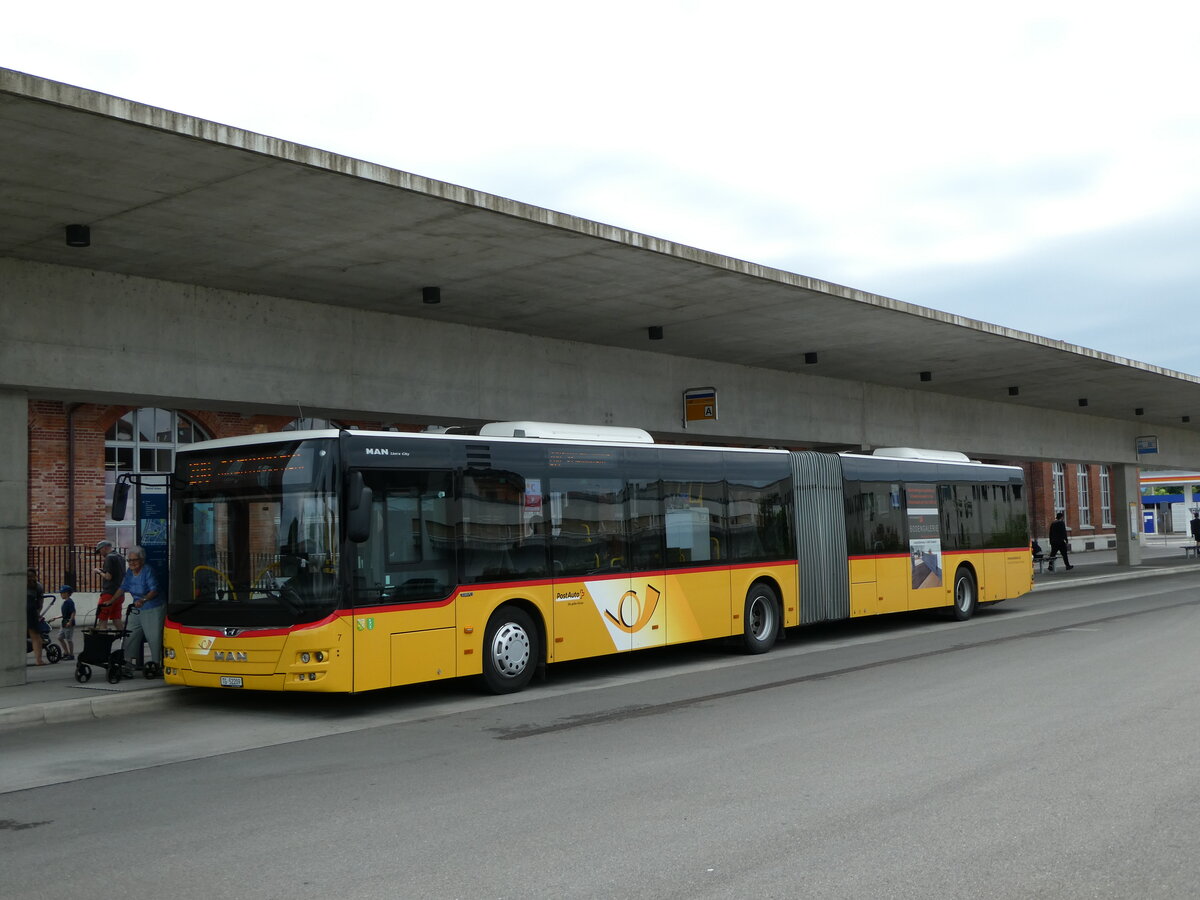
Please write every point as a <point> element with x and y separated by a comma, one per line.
<point>34,596</point>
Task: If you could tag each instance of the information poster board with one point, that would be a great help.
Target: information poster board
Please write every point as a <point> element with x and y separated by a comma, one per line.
<point>152,518</point>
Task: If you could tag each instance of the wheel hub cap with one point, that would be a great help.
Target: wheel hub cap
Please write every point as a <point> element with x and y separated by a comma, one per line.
<point>510,650</point>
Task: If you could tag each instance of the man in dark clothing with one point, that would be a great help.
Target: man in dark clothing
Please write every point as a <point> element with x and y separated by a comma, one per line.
<point>1196,527</point>
<point>1058,542</point>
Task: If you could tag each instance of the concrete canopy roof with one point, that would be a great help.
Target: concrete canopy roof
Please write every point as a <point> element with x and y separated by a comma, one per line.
<point>172,197</point>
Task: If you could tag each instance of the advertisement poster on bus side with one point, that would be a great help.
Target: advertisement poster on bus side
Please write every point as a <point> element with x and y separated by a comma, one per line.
<point>924,536</point>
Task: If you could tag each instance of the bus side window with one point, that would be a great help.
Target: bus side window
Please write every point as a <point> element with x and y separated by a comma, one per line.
<point>503,526</point>
<point>409,554</point>
<point>589,528</point>
<point>694,509</point>
<point>873,518</point>
<point>758,523</point>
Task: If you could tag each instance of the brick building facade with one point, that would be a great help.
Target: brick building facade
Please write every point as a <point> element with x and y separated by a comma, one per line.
<point>1085,496</point>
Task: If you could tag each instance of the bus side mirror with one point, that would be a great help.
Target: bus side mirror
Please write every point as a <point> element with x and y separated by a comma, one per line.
<point>358,508</point>
<point>120,500</point>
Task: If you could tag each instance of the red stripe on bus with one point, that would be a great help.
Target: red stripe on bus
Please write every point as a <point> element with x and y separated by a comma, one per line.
<point>944,553</point>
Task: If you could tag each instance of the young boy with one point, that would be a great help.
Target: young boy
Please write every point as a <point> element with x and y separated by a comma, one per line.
<point>66,633</point>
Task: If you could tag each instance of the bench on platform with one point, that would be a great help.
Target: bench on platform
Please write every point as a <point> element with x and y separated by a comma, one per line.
<point>1190,549</point>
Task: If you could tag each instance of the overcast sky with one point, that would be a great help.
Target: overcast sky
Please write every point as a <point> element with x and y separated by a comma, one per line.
<point>1034,165</point>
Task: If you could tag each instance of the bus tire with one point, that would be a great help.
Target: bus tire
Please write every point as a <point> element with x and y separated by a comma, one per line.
<point>966,594</point>
<point>510,650</point>
<point>760,619</point>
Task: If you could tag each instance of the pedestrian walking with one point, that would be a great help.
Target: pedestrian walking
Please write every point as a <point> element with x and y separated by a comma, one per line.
<point>1058,542</point>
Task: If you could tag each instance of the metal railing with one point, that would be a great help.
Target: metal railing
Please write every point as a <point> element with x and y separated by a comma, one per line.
<point>60,564</point>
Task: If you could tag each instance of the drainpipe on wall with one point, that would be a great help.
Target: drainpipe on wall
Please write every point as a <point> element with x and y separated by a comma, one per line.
<point>70,573</point>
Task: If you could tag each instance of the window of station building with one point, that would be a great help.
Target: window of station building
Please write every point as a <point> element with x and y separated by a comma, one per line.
<point>1058,477</point>
<point>1085,497</point>
<point>1105,498</point>
<point>142,442</point>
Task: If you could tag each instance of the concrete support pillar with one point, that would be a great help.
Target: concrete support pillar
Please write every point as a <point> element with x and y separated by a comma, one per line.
<point>1127,495</point>
<point>14,533</point>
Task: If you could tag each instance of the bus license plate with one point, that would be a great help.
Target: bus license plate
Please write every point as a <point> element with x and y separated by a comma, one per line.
<point>231,681</point>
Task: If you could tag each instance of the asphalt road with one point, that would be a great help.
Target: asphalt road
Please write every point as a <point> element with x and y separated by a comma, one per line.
<point>1047,748</point>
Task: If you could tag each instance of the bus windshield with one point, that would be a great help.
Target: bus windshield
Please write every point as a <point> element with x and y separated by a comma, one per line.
<point>256,536</point>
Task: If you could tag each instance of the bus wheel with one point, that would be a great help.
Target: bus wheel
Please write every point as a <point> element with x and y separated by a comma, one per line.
<point>760,619</point>
<point>965,594</point>
<point>510,650</point>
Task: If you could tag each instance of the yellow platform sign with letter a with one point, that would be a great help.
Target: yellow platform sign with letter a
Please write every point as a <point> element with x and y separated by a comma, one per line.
<point>699,404</point>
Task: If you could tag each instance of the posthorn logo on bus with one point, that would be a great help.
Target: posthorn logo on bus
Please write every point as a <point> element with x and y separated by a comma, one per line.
<point>231,656</point>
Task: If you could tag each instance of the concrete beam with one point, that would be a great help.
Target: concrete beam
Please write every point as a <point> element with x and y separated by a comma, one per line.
<point>100,337</point>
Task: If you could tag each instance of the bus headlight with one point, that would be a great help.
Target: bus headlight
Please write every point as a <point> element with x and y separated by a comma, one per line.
<point>304,657</point>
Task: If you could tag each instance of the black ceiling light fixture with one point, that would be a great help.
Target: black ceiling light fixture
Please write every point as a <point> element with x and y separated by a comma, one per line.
<point>79,236</point>
<point>1139,411</point>
<point>1014,391</point>
<point>1186,419</point>
<point>1083,401</point>
<point>927,376</point>
<point>431,295</point>
<point>810,358</point>
<point>655,332</point>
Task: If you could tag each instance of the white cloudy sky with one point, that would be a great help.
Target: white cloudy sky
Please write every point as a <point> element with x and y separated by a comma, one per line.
<point>1031,164</point>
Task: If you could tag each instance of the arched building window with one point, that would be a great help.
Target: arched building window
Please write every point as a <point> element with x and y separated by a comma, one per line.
<point>142,442</point>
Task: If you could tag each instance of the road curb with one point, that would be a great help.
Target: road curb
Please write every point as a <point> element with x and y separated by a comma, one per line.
<point>56,712</point>
<point>1066,581</point>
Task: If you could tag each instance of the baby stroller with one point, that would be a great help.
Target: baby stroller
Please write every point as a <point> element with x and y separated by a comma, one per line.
<point>99,650</point>
<point>52,650</point>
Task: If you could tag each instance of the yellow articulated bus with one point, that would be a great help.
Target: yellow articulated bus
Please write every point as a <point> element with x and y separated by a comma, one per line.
<point>352,560</point>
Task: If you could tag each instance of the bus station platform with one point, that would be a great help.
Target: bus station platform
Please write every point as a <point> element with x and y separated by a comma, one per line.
<point>51,694</point>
